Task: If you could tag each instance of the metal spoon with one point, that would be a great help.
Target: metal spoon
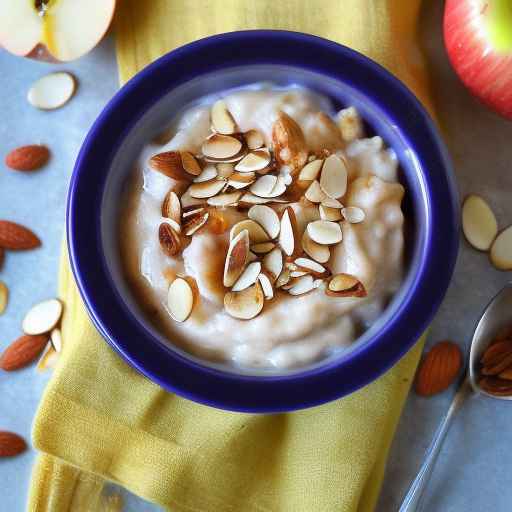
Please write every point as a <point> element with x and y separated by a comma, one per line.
<point>496,316</point>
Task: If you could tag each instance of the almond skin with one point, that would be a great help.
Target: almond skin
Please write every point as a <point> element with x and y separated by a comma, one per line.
<point>170,241</point>
<point>439,368</point>
<point>11,444</point>
<point>17,237</point>
<point>23,351</point>
<point>28,158</point>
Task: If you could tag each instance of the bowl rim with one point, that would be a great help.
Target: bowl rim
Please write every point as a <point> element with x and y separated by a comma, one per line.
<point>251,393</point>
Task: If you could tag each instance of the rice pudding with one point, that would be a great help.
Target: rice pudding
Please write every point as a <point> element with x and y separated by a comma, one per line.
<point>265,230</point>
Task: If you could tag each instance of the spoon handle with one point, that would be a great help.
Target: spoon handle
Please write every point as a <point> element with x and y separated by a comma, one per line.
<point>413,497</point>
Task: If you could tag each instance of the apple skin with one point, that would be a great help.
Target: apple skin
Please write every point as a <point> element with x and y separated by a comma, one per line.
<point>468,35</point>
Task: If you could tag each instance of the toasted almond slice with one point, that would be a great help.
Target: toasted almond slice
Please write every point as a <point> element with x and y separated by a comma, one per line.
<point>332,214</point>
<point>4,296</point>
<point>331,203</point>
<point>192,211</point>
<point>267,218</point>
<point>254,139</point>
<point>501,250</point>
<point>174,225</point>
<point>287,179</point>
<point>187,201</point>
<point>314,193</point>
<point>230,160</point>
<point>206,188</point>
<point>279,187</point>
<point>252,257</point>
<point>289,144</point>
<point>225,169</point>
<point>478,222</point>
<point>222,119</point>
<point>180,299</point>
<point>283,279</point>
<point>56,339</point>
<point>194,223</point>
<point>273,262</point>
<point>207,174</point>
<point>48,358</point>
<point>311,266</point>
<point>170,164</point>
<point>42,317</point>
<point>241,180</point>
<point>52,91</point>
<point>345,285</point>
<point>319,283</point>
<point>171,207</point>
<point>262,248</point>
<point>221,146</point>
<point>236,258</point>
<point>309,173</point>
<point>266,286</point>
<point>245,304</point>
<point>254,161</point>
<point>350,124</point>
<point>264,185</point>
<point>249,199</point>
<point>170,240</point>
<point>302,285</point>
<point>318,252</point>
<point>333,179</point>
<point>190,164</point>
<point>226,199</point>
<point>288,236</point>
<point>257,234</point>
<point>324,232</point>
<point>298,273</point>
<point>248,277</point>
<point>353,214</point>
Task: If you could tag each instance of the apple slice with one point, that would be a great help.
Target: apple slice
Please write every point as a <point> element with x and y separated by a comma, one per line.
<point>57,30</point>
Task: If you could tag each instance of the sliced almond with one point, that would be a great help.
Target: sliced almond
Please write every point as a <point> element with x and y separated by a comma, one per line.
<point>207,174</point>
<point>254,161</point>
<point>288,235</point>
<point>48,358</point>
<point>283,279</point>
<point>249,199</point>
<point>309,173</point>
<point>252,257</point>
<point>240,180</point>
<point>298,273</point>
<point>42,317</point>
<point>332,214</point>
<point>192,211</point>
<point>170,164</point>
<point>222,119</point>
<point>174,225</point>
<point>52,91</point>
<point>254,139</point>
<point>180,299</point>
<point>311,266</point>
<point>267,218</point>
<point>333,179</point>
<point>56,339</point>
<point>170,240</point>
<point>279,187</point>
<point>225,169</point>
<point>318,252</point>
<point>302,285</point>
<point>236,258</point>
<point>324,232</point>
<point>289,144</point>
<point>187,201</point>
<point>245,304</point>
<point>478,222</point>
<point>171,207</point>
<point>266,286</point>
<point>257,234</point>
<point>206,189</point>
<point>264,185</point>
<point>248,277</point>
<point>221,146</point>
<point>190,164</point>
<point>194,223</point>
<point>226,199</point>
<point>345,285</point>
<point>353,214</point>
<point>262,248</point>
<point>350,124</point>
<point>4,296</point>
<point>314,193</point>
<point>501,250</point>
<point>329,202</point>
<point>273,262</point>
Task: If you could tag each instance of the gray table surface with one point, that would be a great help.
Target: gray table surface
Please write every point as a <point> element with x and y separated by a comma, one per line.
<point>473,471</point>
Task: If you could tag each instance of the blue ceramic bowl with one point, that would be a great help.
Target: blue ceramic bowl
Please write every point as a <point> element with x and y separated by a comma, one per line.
<point>147,102</point>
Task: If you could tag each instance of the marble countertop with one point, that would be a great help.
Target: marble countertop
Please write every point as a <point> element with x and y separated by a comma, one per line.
<point>472,473</point>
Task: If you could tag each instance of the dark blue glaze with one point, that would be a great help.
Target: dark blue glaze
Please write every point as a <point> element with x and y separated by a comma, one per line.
<point>432,203</point>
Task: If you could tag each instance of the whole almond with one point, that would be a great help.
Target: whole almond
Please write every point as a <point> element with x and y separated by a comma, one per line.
<point>17,237</point>
<point>23,351</point>
<point>11,444</point>
<point>289,143</point>
<point>28,158</point>
<point>439,368</point>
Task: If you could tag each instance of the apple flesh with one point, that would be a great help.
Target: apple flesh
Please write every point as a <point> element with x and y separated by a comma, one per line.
<point>54,30</point>
<point>478,39</point>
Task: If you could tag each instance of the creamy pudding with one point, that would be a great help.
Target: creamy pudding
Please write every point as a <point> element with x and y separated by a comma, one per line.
<point>264,230</point>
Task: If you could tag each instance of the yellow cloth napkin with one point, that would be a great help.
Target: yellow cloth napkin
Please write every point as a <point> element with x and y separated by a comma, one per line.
<point>101,420</point>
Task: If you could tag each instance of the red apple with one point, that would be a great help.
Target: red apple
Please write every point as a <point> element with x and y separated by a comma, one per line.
<point>478,39</point>
<point>55,30</point>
